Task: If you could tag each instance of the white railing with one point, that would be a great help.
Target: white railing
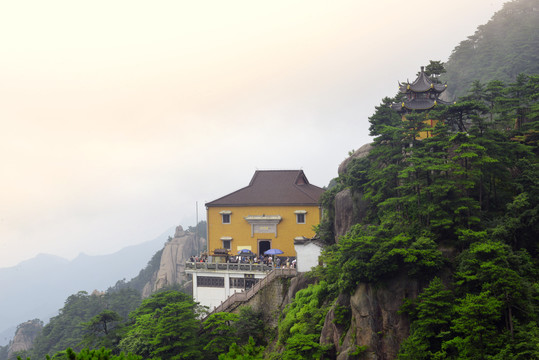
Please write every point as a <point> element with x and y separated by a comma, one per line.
<point>227,266</point>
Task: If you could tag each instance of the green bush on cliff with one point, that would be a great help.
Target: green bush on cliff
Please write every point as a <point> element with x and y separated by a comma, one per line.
<point>302,322</point>
<point>96,354</point>
<point>368,255</point>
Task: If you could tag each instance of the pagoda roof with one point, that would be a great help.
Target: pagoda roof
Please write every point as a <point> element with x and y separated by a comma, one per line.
<point>418,104</point>
<point>273,188</point>
<point>422,84</point>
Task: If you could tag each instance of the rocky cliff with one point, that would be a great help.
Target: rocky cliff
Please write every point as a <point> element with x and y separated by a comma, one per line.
<point>24,337</point>
<point>373,326</point>
<point>176,252</point>
<point>349,206</point>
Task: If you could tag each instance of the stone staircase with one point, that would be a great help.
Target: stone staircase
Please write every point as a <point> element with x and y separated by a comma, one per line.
<point>239,298</point>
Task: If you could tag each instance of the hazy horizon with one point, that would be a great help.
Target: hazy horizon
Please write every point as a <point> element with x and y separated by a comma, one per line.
<point>118,117</point>
<point>168,232</point>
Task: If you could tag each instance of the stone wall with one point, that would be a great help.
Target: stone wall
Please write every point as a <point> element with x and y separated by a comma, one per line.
<point>272,299</point>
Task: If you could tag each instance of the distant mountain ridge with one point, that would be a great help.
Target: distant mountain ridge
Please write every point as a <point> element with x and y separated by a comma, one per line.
<point>508,44</point>
<point>38,287</point>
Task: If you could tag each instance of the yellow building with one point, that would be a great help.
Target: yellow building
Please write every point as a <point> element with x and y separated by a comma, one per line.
<point>276,207</point>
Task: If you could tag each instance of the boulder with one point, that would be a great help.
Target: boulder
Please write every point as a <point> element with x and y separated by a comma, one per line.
<point>24,337</point>
<point>362,152</point>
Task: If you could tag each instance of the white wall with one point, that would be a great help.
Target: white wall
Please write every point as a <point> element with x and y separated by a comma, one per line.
<point>307,256</point>
<point>213,296</point>
<point>210,296</point>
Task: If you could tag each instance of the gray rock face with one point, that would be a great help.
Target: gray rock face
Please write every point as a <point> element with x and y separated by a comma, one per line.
<point>367,324</point>
<point>335,327</point>
<point>172,268</point>
<point>24,337</point>
<point>344,213</point>
<point>374,323</point>
<point>349,206</point>
<point>358,154</point>
<point>371,321</point>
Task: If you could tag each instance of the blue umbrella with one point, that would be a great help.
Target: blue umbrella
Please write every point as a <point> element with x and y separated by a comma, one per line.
<point>273,252</point>
<point>245,252</point>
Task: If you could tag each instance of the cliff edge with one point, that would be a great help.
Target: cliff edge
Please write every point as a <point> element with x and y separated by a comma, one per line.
<point>176,252</point>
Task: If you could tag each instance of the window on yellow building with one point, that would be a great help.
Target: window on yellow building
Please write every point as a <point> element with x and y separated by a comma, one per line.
<point>225,216</point>
<point>227,242</point>
<point>300,216</point>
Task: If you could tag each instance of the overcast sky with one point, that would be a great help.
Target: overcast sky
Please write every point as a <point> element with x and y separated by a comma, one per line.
<point>118,116</point>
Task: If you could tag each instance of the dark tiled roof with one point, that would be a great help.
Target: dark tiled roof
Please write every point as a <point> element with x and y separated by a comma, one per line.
<point>273,187</point>
<point>418,104</point>
<point>422,84</point>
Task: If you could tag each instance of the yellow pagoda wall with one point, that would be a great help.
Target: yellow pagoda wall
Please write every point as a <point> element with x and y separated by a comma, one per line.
<point>431,123</point>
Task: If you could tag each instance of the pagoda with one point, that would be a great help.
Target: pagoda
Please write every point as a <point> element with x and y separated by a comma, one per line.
<point>421,95</point>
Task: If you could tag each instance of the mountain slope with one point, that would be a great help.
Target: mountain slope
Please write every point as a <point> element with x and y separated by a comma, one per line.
<point>499,50</point>
<point>37,288</point>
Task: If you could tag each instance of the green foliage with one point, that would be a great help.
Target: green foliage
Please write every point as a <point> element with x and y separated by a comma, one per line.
<point>368,255</point>
<point>175,334</point>
<point>219,333</point>
<point>434,69</point>
<point>165,326</point>
<point>300,328</point>
<point>68,328</point>
<point>475,325</point>
<point>325,230</point>
<point>100,354</point>
<point>358,350</point>
<point>304,346</point>
<point>432,313</point>
<point>244,334</point>
<point>520,223</point>
<point>103,330</point>
<point>501,49</point>
<point>250,324</point>
<point>246,352</point>
<point>342,315</point>
<point>102,322</point>
<point>471,190</point>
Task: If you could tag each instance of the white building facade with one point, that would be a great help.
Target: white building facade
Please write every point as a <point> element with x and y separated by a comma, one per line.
<point>213,283</point>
